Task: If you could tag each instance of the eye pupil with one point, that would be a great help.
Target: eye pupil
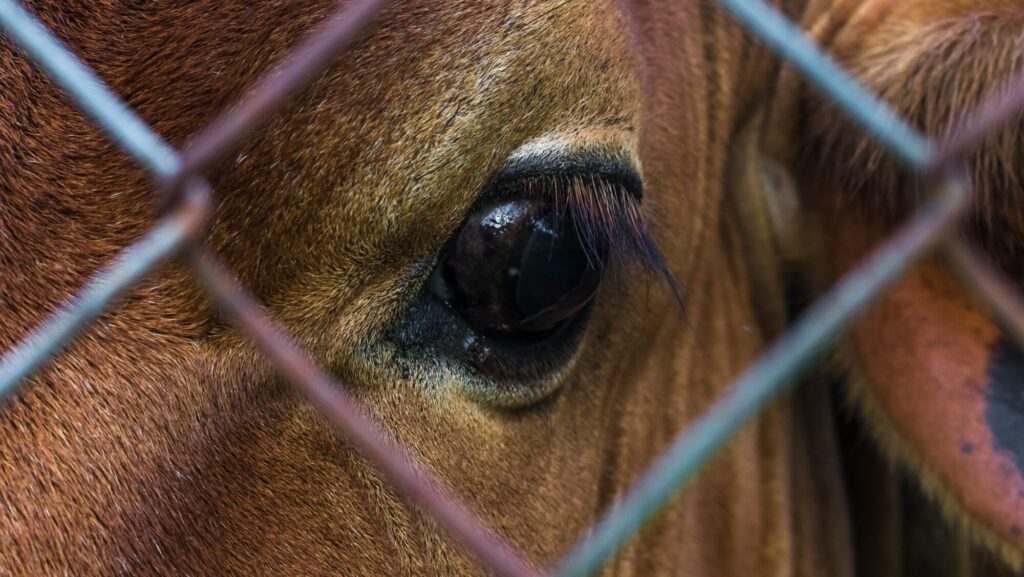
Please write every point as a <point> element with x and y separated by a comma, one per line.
<point>520,269</point>
<point>556,270</point>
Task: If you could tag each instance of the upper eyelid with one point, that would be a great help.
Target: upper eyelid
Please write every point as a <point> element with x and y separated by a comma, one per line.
<point>611,212</point>
<point>613,168</point>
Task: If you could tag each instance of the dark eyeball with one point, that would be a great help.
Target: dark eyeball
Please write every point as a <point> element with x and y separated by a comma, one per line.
<point>519,269</point>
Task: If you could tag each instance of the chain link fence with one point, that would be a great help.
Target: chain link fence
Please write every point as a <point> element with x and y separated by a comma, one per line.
<point>178,177</point>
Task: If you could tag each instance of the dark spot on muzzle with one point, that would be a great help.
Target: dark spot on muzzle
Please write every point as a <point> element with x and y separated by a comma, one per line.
<point>1005,396</point>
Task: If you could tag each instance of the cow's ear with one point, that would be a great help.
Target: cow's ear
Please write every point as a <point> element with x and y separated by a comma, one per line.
<point>940,388</point>
<point>763,200</point>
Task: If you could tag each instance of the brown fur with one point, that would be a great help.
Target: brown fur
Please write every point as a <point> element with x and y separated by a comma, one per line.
<point>161,443</point>
<point>933,70</point>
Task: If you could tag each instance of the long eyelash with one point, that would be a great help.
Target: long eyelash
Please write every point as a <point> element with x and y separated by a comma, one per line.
<point>606,214</point>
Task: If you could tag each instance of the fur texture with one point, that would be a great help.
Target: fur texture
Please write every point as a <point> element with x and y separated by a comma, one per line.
<point>161,443</point>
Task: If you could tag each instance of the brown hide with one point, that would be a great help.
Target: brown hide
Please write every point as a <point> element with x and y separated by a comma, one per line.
<point>162,443</point>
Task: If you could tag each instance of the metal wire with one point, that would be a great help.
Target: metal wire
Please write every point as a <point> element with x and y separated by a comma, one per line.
<point>129,131</point>
<point>990,287</point>
<point>102,290</point>
<point>779,366</point>
<point>767,377</point>
<point>226,132</point>
<point>331,399</point>
<point>791,43</point>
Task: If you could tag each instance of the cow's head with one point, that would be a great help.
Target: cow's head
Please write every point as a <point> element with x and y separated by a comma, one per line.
<point>469,220</point>
<point>940,383</point>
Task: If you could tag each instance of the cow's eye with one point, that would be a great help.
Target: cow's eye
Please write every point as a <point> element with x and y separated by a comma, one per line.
<point>518,270</point>
<point>508,303</point>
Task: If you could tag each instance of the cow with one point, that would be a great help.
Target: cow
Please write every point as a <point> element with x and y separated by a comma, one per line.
<point>534,239</point>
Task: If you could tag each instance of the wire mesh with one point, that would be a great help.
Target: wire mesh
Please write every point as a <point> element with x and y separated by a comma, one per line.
<point>177,174</point>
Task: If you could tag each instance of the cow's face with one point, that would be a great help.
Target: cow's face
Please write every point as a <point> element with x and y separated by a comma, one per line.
<point>452,220</point>
<point>942,384</point>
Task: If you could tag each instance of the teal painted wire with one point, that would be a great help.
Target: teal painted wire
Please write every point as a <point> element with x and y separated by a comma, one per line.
<point>119,121</point>
<point>790,42</point>
<point>135,136</point>
<point>134,262</point>
<point>822,323</point>
<point>763,381</point>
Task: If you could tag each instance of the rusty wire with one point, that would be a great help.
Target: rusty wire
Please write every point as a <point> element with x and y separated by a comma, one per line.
<point>179,175</point>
